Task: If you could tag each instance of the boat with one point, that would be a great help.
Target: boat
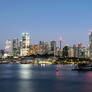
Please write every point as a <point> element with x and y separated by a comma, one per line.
<point>83,67</point>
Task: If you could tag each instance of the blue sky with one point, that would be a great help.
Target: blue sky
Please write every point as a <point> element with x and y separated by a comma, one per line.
<point>46,20</point>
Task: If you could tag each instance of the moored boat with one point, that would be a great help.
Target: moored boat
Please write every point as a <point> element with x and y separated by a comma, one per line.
<point>83,67</point>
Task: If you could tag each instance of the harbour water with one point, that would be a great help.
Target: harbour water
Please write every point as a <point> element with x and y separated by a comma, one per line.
<point>43,78</point>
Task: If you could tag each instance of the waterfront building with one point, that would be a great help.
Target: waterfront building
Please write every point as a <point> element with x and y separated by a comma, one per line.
<point>84,52</point>
<point>90,44</point>
<point>88,52</point>
<point>15,47</point>
<point>34,50</point>
<point>71,52</point>
<point>31,50</point>
<point>66,51</point>
<point>37,49</point>
<point>8,47</point>
<point>53,49</point>
<point>20,44</point>
<point>25,43</point>
<point>75,48</point>
<point>42,46</point>
<point>46,48</point>
<point>60,52</point>
<point>1,53</point>
<point>80,50</point>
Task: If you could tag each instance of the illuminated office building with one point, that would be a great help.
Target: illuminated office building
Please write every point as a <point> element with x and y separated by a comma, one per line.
<point>46,48</point>
<point>8,46</point>
<point>25,43</point>
<point>71,52</point>
<point>53,48</point>
<point>42,46</point>
<point>15,47</point>
<point>90,44</point>
<point>34,50</point>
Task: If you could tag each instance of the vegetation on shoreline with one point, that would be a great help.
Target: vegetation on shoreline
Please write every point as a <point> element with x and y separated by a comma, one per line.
<point>34,59</point>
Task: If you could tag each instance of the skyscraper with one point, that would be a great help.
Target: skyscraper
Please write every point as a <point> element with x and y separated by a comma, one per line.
<point>80,46</point>
<point>25,43</point>
<point>90,44</point>
<point>42,46</point>
<point>34,50</point>
<point>8,46</point>
<point>46,48</point>
<point>53,47</point>
<point>66,51</point>
<point>75,47</point>
<point>15,47</point>
<point>71,52</point>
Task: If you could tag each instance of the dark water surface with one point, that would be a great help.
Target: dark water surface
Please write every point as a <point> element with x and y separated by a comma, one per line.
<point>41,78</point>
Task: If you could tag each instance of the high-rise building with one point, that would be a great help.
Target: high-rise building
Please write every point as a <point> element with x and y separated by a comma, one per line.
<point>25,43</point>
<point>84,52</point>
<point>66,51</point>
<point>15,47</point>
<point>8,47</point>
<point>25,40</point>
<point>71,52</point>
<point>90,44</point>
<point>53,47</point>
<point>75,48</point>
<point>46,48</point>
<point>42,46</point>
<point>1,53</point>
<point>34,50</point>
<point>80,51</point>
<point>80,47</point>
<point>37,49</point>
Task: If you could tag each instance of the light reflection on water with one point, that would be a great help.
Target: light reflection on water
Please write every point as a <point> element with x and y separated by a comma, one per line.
<point>43,78</point>
<point>25,72</point>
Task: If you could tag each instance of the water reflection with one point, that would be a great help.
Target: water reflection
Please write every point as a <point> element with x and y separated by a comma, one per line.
<point>37,78</point>
<point>25,72</point>
<point>25,86</point>
<point>57,73</point>
<point>43,65</point>
<point>88,76</point>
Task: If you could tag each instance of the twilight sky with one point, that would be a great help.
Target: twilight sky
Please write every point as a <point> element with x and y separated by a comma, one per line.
<point>46,20</point>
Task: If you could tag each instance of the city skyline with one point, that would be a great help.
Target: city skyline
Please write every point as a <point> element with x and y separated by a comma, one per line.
<point>46,20</point>
<point>24,47</point>
<point>45,45</point>
<point>37,42</point>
